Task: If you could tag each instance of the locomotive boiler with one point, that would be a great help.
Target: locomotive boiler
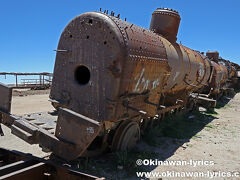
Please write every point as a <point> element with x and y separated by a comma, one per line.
<point>119,74</point>
<point>112,79</point>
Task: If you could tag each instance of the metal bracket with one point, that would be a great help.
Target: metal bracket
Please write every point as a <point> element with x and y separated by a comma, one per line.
<point>5,102</point>
<point>5,98</point>
<point>134,109</point>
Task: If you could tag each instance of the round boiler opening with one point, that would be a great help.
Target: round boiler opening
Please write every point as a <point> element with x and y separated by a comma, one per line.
<point>82,75</point>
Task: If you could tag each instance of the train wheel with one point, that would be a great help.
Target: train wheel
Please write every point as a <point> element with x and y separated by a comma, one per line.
<point>126,136</point>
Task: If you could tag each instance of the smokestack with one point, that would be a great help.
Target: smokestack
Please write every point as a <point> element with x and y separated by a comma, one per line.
<point>166,23</point>
<point>213,56</point>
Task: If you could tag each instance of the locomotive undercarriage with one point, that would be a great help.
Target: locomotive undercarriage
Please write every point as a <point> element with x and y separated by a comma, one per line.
<point>120,135</point>
<point>124,134</point>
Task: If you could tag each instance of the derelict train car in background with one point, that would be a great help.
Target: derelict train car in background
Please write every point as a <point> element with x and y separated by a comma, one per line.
<point>113,78</point>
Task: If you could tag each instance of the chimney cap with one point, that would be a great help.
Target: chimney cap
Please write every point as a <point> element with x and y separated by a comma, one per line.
<point>166,10</point>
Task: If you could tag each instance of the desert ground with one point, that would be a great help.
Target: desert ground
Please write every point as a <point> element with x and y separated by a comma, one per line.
<point>197,136</point>
<point>25,101</point>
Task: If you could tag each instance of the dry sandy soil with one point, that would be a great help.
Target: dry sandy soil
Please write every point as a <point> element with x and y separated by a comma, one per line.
<point>217,139</point>
<point>23,102</point>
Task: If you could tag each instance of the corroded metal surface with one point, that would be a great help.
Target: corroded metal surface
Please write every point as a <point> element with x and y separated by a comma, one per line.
<point>5,98</point>
<point>165,22</point>
<point>126,64</point>
<point>92,40</point>
<point>5,102</point>
<point>76,129</point>
<point>17,165</point>
<point>126,136</point>
<point>131,72</point>
<point>219,77</point>
<point>213,56</point>
<point>113,78</point>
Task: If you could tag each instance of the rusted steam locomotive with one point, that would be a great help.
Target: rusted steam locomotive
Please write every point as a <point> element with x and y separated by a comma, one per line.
<point>112,79</point>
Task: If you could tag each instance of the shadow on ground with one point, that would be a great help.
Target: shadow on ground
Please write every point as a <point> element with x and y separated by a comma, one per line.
<point>158,143</point>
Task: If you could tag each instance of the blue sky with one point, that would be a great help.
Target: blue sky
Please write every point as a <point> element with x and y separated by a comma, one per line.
<point>30,29</point>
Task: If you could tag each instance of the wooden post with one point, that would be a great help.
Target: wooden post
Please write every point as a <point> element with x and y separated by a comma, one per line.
<point>16,81</point>
<point>40,77</point>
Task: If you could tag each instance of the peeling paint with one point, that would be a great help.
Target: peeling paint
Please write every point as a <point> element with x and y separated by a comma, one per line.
<point>90,130</point>
<point>145,83</point>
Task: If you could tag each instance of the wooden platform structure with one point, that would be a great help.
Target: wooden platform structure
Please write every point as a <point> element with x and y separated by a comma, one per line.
<point>44,80</point>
